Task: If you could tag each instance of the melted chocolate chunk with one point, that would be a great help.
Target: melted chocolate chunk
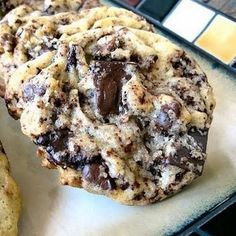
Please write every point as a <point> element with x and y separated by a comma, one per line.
<point>163,120</point>
<point>31,90</point>
<point>108,78</point>
<point>183,152</point>
<point>56,145</point>
<point>200,139</point>
<point>185,161</point>
<point>92,173</point>
<point>54,141</point>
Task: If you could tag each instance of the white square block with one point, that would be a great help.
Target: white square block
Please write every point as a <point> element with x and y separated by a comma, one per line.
<point>188,19</point>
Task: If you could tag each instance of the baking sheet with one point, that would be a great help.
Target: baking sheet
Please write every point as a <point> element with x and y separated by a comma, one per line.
<point>50,209</point>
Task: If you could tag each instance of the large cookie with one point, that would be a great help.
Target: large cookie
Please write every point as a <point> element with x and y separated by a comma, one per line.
<point>9,199</point>
<point>116,108</point>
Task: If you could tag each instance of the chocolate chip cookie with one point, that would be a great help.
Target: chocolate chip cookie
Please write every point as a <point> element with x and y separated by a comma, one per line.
<point>48,6</point>
<point>24,10</point>
<point>9,199</point>
<point>118,109</point>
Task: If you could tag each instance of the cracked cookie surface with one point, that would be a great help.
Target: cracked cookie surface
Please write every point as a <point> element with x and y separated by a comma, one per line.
<point>116,108</point>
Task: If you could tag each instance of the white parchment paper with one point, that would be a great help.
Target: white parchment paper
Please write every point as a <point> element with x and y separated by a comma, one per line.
<point>50,209</point>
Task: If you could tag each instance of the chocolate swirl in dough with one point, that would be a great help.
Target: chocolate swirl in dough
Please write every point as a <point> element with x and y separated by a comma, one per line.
<point>116,108</point>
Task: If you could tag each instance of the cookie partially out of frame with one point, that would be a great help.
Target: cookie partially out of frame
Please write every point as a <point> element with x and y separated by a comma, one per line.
<point>34,8</point>
<point>116,108</point>
<point>9,199</point>
<point>48,6</point>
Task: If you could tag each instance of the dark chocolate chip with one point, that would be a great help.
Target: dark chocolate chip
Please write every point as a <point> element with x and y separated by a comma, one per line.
<point>10,41</point>
<point>153,168</point>
<point>174,106</point>
<point>141,123</point>
<point>56,145</point>
<point>108,78</point>
<point>92,173</point>
<point>31,90</point>
<point>128,148</point>
<point>139,196</point>
<point>179,176</point>
<point>183,65</point>
<point>124,186</point>
<point>104,50</point>
<point>200,139</point>
<point>139,163</point>
<point>189,100</point>
<point>183,152</point>
<point>144,63</point>
<point>66,87</point>
<point>185,161</point>
<point>54,141</point>
<point>163,120</point>
<point>169,190</point>
<point>58,102</point>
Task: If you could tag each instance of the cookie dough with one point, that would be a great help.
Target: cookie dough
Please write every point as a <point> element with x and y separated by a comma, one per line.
<point>118,109</point>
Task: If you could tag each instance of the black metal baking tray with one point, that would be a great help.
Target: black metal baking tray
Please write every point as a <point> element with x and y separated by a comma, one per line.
<point>158,24</point>
<point>219,221</point>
